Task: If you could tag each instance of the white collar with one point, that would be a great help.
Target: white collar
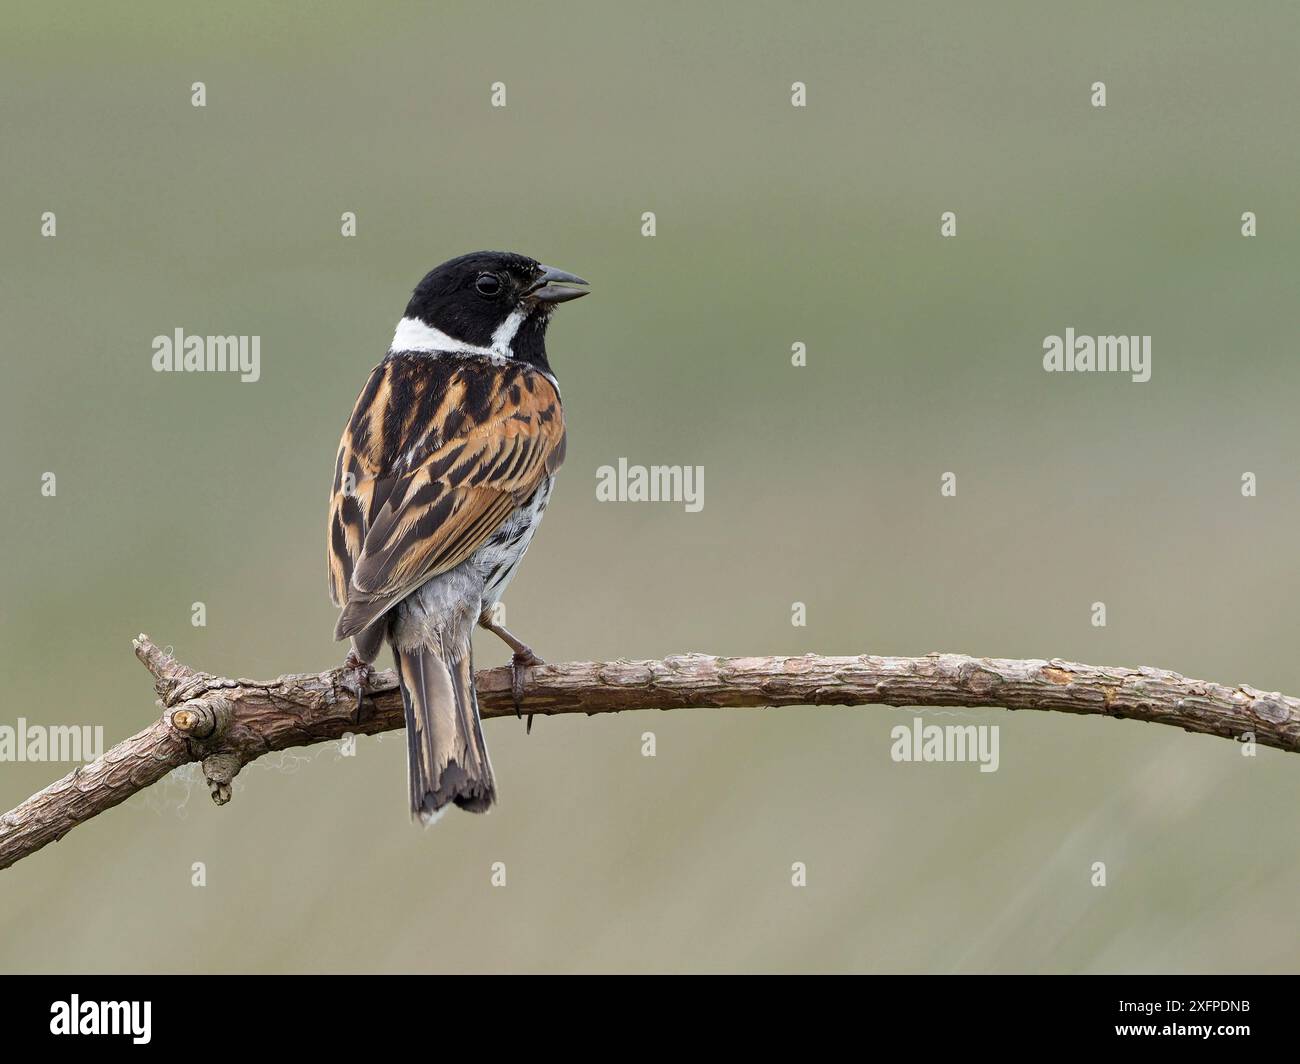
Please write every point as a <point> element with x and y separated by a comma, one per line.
<point>414,335</point>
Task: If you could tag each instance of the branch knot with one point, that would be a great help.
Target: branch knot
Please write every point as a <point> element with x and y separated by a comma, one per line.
<point>220,771</point>
<point>204,718</point>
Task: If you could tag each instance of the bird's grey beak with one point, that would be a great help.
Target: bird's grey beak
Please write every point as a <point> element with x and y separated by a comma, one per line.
<point>553,286</point>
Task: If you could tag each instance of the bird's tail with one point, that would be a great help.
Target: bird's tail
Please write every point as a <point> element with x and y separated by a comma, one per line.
<point>447,760</point>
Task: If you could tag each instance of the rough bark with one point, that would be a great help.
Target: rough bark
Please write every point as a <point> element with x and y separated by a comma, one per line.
<point>227,723</point>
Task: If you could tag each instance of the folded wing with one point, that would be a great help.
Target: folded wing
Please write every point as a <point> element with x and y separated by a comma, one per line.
<point>437,453</point>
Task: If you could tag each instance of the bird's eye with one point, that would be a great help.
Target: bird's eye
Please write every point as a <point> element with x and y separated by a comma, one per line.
<point>488,284</point>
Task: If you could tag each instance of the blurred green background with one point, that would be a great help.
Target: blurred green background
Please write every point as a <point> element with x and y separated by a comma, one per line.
<point>775,225</point>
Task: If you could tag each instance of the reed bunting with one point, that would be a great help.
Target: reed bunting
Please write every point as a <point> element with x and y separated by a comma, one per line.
<point>442,477</point>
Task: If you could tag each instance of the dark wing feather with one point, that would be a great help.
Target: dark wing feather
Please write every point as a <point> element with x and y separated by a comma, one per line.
<point>440,450</point>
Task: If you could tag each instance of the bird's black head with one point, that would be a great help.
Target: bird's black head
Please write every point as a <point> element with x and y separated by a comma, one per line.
<point>490,300</point>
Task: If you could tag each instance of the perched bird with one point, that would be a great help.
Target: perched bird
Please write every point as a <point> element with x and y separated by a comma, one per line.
<point>442,477</point>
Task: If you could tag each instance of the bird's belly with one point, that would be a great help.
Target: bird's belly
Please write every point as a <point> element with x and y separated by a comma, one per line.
<point>500,556</point>
<point>441,611</point>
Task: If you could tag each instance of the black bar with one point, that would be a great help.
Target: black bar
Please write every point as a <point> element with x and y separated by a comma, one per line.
<point>341,1012</point>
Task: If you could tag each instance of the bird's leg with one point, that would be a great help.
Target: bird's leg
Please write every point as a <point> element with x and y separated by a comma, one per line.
<point>357,675</point>
<point>523,658</point>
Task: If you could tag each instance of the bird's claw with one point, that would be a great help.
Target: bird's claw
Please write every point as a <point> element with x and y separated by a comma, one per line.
<point>521,660</point>
<point>357,675</point>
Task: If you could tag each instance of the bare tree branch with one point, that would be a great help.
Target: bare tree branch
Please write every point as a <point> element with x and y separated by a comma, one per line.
<point>225,724</point>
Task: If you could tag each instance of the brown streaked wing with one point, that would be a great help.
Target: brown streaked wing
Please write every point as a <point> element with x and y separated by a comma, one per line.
<point>356,468</point>
<point>437,511</point>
